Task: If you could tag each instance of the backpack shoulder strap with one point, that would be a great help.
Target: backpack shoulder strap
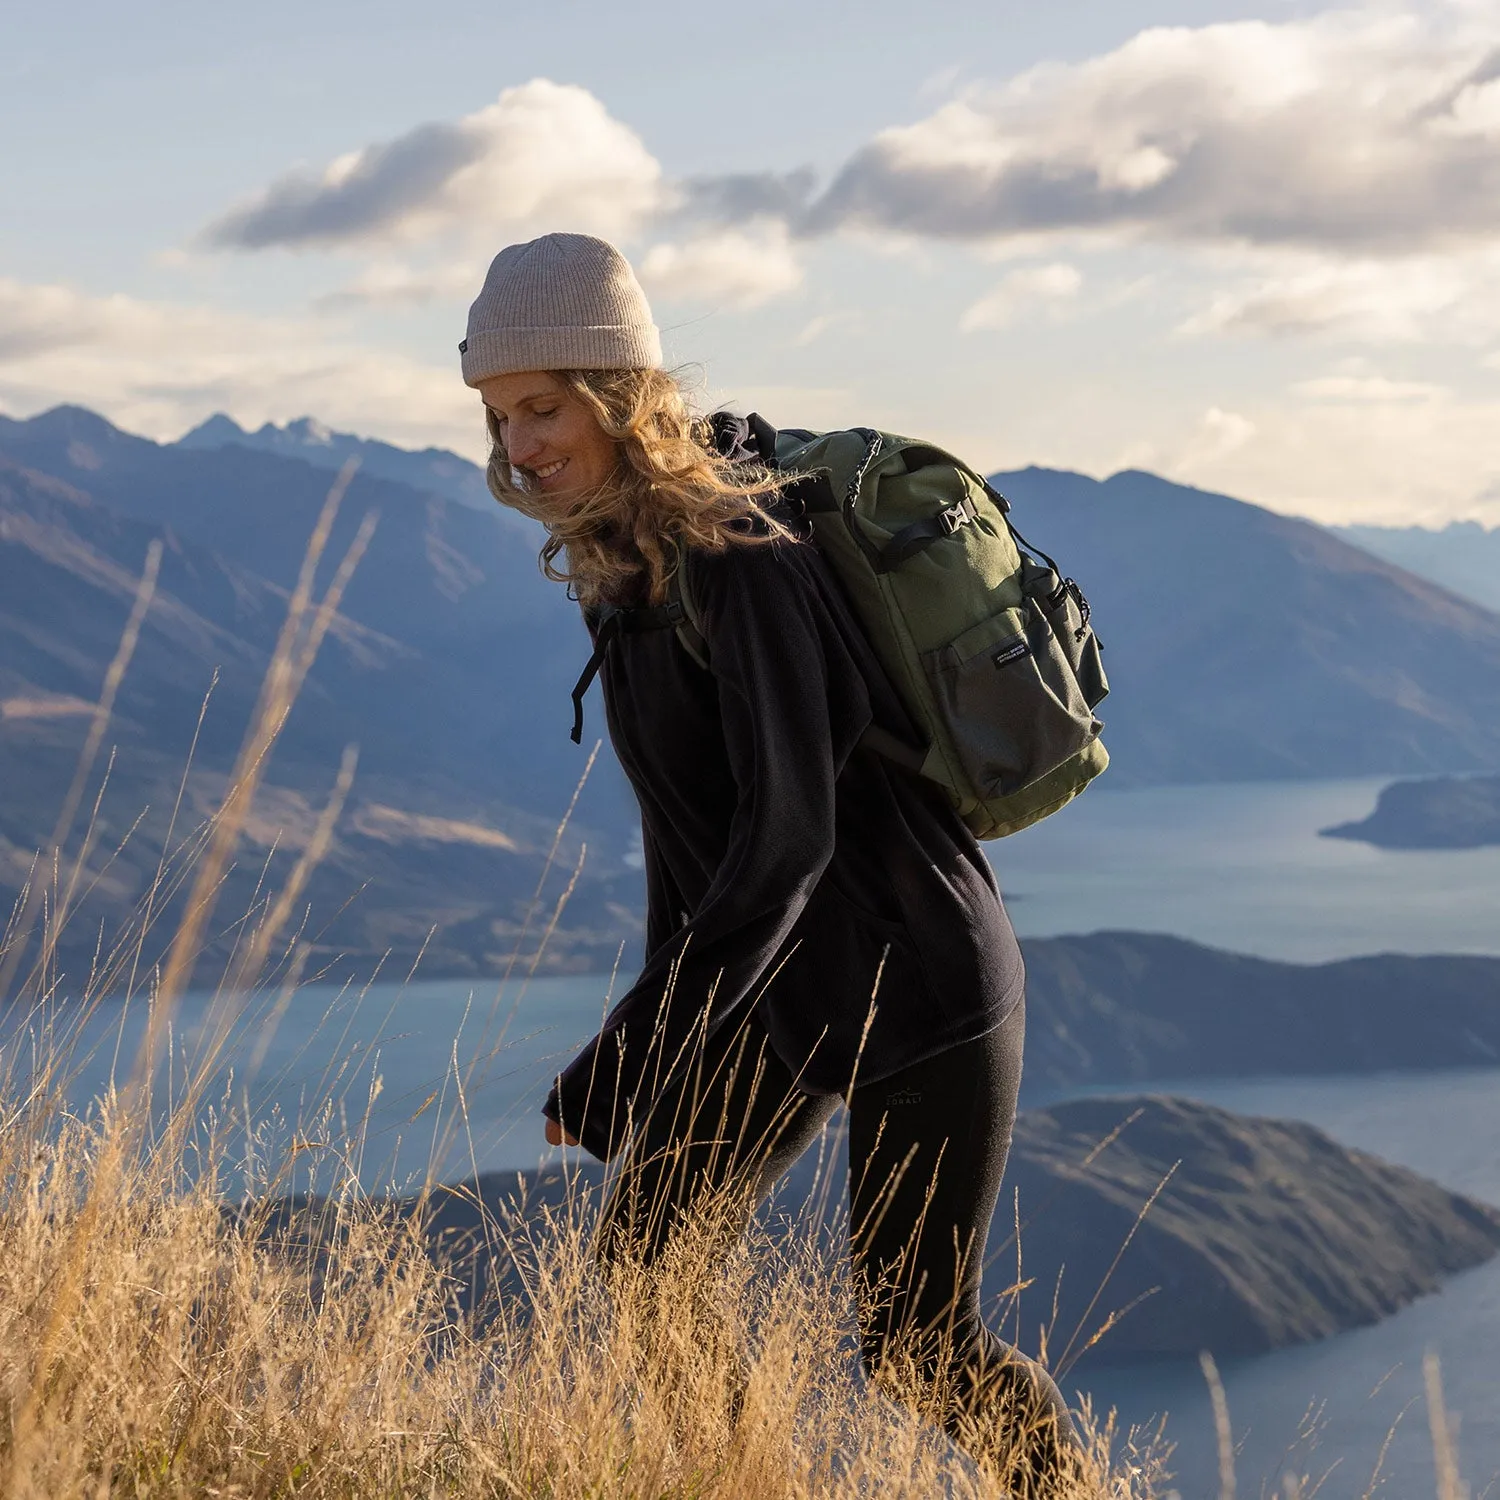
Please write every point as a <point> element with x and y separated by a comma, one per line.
<point>683,611</point>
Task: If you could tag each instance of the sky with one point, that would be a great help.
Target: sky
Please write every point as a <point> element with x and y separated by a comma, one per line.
<point>1251,246</point>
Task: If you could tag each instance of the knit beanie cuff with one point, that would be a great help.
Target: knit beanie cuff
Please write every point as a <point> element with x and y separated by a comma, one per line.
<point>505,351</point>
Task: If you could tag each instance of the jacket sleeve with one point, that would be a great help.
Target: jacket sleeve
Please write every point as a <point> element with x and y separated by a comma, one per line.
<point>793,703</point>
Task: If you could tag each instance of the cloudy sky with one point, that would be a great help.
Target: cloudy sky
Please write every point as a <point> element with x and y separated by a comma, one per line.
<point>1254,246</point>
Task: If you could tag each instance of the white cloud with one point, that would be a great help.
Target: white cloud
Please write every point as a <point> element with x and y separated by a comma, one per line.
<point>1027,289</point>
<point>1356,131</point>
<point>1219,434</point>
<point>847,320</point>
<point>1367,388</point>
<point>1213,437</point>
<point>1370,301</point>
<point>543,156</point>
<point>388,283</point>
<point>1402,462</point>
<point>1476,111</point>
<point>814,329</point>
<point>740,267</point>
<point>1356,153</point>
<point>158,369</point>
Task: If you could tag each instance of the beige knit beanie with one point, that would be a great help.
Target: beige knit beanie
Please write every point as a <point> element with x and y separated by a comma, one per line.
<point>561,302</point>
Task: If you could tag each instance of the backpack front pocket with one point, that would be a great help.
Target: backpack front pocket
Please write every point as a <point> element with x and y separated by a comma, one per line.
<point>1010,694</point>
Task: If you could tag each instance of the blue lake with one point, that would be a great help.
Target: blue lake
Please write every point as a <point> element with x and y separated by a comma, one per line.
<point>447,1077</point>
<point>1350,1390</point>
<point>1242,867</point>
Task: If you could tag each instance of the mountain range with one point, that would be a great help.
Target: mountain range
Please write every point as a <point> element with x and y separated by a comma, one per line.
<point>1240,644</point>
<point>1463,556</point>
<point>447,651</point>
<point>434,471</point>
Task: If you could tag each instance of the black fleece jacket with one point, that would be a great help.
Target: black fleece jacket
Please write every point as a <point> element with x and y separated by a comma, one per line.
<point>786,866</point>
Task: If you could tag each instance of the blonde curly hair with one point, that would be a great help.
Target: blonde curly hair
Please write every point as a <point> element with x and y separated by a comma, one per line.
<point>670,490</point>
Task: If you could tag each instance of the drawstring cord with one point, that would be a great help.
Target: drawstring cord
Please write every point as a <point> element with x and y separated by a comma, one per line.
<point>611,620</point>
<point>609,628</point>
<point>1068,586</point>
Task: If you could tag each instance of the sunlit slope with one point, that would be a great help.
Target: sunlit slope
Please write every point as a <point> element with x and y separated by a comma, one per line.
<point>447,829</point>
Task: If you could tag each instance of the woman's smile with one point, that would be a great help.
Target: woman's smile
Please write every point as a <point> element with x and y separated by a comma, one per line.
<point>549,434</point>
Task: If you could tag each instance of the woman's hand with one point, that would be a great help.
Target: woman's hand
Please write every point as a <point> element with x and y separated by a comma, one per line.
<point>557,1136</point>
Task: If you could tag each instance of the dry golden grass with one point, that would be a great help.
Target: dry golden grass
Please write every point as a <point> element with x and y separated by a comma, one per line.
<point>152,1343</point>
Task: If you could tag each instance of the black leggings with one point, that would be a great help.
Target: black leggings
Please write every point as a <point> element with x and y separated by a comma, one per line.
<point>927,1149</point>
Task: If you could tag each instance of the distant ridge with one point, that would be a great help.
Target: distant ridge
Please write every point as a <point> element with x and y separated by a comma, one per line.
<point>435,470</point>
<point>1241,644</point>
<point>1132,1007</point>
<point>448,652</point>
<point>1463,556</point>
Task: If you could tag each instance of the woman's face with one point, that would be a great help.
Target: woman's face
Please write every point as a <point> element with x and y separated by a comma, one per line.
<point>549,434</point>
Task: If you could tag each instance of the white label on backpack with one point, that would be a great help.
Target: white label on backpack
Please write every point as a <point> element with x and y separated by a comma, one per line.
<point>1013,652</point>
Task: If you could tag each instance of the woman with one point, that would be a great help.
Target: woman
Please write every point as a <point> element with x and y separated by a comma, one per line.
<point>821,927</point>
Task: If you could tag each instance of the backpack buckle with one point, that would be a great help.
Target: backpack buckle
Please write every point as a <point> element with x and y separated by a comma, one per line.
<point>960,513</point>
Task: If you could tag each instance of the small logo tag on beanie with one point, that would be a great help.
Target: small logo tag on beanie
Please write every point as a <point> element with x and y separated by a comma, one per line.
<point>463,346</point>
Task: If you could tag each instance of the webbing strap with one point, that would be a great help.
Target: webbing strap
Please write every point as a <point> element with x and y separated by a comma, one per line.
<point>910,540</point>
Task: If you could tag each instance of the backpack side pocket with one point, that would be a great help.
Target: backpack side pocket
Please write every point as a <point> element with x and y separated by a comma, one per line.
<point>1061,603</point>
<point>1012,700</point>
<point>1064,612</point>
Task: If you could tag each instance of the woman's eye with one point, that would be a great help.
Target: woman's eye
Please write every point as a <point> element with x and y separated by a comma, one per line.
<point>550,412</point>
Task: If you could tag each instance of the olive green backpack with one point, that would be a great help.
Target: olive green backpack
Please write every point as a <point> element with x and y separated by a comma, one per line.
<point>987,643</point>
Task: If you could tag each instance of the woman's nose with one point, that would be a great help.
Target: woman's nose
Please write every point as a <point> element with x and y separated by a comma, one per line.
<point>522,445</point>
